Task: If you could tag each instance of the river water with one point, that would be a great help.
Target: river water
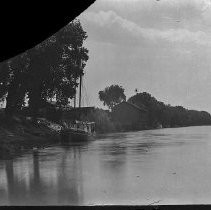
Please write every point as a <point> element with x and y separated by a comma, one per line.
<point>165,166</point>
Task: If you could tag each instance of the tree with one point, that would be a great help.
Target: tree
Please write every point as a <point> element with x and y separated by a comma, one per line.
<point>149,102</point>
<point>167,115</point>
<point>12,83</point>
<point>4,79</point>
<point>49,70</point>
<point>112,96</point>
<point>56,65</point>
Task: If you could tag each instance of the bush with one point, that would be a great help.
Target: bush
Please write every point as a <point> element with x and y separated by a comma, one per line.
<point>102,120</point>
<point>53,115</point>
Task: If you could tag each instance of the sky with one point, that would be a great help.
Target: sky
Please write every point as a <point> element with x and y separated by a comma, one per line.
<point>162,47</point>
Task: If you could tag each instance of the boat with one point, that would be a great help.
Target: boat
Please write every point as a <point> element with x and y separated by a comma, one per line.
<point>79,131</point>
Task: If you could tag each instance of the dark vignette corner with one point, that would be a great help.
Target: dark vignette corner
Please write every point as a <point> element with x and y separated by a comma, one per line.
<point>24,25</point>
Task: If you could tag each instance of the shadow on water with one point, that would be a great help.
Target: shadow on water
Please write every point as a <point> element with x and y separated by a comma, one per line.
<point>16,189</point>
<point>69,176</point>
<point>121,144</point>
<point>36,187</point>
<point>142,142</point>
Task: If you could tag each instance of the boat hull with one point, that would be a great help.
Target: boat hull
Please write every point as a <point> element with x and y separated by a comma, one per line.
<point>75,136</point>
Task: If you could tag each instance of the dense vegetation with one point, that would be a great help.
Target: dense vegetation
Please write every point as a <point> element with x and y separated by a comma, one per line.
<point>167,115</point>
<point>102,119</point>
<point>112,95</point>
<point>48,71</point>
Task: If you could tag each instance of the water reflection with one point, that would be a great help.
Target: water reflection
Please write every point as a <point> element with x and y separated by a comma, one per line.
<point>36,187</point>
<point>16,188</point>
<point>172,165</point>
<point>36,184</point>
<point>69,170</point>
<point>114,154</point>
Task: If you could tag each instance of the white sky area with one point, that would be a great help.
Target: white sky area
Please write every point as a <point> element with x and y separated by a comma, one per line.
<point>160,47</point>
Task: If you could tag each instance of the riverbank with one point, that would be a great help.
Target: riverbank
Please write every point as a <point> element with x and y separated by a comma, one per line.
<point>20,133</point>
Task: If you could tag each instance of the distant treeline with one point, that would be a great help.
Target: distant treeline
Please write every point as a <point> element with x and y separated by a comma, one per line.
<point>158,114</point>
<point>167,115</point>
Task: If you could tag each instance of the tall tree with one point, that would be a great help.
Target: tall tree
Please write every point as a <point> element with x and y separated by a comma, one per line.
<point>4,79</point>
<point>50,70</point>
<point>57,64</point>
<point>13,75</point>
<point>112,95</point>
<point>167,115</point>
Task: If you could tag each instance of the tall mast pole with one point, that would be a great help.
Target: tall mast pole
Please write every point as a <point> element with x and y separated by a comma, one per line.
<point>75,77</point>
<point>75,94</point>
<point>80,87</point>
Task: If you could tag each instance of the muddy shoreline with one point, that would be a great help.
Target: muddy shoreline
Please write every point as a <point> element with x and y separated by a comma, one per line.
<point>20,134</point>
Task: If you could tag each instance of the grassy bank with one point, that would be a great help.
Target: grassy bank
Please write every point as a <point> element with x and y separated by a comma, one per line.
<point>20,133</point>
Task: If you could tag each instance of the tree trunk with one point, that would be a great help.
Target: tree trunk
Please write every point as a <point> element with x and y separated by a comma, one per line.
<point>34,102</point>
<point>10,101</point>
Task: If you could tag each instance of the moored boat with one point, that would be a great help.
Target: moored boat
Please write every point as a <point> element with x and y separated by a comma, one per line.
<point>80,131</point>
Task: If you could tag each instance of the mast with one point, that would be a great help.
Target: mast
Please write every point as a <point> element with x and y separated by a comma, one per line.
<point>75,94</point>
<point>77,63</point>
<point>80,87</point>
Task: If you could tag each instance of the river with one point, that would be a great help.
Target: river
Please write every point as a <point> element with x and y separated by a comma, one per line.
<point>164,166</point>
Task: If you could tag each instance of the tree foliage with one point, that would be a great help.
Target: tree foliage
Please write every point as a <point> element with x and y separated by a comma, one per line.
<point>49,70</point>
<point>112,95</point>
<point>167,115</point>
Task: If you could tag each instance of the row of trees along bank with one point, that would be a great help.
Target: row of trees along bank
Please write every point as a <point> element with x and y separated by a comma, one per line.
<point>158,112</point>
<point>49,70</point>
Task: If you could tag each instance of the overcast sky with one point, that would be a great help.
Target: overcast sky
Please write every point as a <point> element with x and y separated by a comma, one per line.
<point>160,47</point>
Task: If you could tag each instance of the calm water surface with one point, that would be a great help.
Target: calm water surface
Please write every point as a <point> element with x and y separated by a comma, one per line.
<point>166,166</point>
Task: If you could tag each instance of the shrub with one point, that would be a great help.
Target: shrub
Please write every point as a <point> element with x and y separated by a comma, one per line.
<point>102,120</point>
